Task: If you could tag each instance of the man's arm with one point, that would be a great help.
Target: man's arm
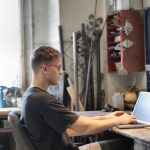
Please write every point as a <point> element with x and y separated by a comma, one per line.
<point>86,126</point>
<point>109,116</point>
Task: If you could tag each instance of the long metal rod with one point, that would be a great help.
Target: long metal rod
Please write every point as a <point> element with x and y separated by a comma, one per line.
<point>90,58</point>
<point>98,105</point>
<point>90,55</point>
<point>75,68</point>
<point>64,93</point>
<point>61,45</point>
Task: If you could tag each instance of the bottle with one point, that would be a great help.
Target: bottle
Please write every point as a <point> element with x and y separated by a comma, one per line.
<point>117,101</point>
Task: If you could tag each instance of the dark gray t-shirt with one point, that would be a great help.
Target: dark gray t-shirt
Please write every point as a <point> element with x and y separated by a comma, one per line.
<point>46,120</point>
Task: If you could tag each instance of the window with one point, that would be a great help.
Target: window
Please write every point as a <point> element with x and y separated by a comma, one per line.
<point>9,43</point>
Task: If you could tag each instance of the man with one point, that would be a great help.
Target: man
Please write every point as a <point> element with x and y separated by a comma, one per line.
<point>46,120</point>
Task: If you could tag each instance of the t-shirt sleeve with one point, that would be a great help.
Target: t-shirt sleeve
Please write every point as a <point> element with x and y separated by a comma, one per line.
<point>58,116</point>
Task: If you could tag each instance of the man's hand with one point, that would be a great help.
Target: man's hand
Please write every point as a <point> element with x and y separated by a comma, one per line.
<point>114,114</point>
<point>126,118</point>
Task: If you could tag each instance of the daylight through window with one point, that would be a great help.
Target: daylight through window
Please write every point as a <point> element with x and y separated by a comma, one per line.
<point>9,43</point>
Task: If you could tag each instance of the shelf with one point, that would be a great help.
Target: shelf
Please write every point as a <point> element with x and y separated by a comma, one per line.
<point>111,36</point>
<point>109,43</point>
<point>116,58</point>
<point>113,23</point>
<point>110,29</point>
<point>133,58</point>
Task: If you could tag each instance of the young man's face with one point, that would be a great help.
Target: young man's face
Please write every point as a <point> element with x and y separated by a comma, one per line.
<point>54,71</point>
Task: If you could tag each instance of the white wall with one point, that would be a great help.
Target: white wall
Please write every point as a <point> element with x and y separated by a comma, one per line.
<point>75,12</point>
<point>146,3</point>
<point>53,23</point>
<point>136,4</point>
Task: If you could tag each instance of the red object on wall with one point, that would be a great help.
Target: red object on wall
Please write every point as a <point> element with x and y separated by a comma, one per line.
<point>133,58</point>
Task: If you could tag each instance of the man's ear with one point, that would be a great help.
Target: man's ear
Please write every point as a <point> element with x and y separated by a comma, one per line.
<point>44,68</point>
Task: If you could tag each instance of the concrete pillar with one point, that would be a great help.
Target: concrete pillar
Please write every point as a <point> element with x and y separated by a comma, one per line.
<point>26,40</point>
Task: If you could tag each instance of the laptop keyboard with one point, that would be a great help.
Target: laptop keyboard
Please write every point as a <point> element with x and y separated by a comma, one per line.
<point>134,125</point>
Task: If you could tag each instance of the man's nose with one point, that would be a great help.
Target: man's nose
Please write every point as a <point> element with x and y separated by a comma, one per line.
<point>61,71</point>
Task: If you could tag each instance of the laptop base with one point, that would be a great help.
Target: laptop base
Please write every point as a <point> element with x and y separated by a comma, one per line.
<point>132,126</point>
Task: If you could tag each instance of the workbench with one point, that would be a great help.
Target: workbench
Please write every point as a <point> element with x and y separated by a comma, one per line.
<point>140,136</point>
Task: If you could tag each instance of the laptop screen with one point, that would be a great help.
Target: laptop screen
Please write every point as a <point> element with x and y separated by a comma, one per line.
<point>142,108</point>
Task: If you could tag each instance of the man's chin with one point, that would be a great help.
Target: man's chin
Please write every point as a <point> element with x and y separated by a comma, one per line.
<point>54,83</point>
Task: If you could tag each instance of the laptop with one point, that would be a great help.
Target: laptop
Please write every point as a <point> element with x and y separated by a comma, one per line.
<point>141,111</point>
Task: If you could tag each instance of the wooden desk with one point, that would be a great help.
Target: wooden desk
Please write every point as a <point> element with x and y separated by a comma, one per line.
<point>140,136</point>
<point>5,111</point>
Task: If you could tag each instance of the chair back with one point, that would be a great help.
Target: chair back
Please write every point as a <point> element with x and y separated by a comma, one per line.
<point>19,133</point>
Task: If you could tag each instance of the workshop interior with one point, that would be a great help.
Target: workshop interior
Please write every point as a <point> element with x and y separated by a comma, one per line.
<point>105,48</point>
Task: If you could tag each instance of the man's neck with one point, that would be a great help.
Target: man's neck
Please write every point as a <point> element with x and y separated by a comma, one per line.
<point>40,84</point>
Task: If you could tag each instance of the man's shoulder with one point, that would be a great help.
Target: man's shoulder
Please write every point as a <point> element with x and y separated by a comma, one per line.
<point>37,94</point>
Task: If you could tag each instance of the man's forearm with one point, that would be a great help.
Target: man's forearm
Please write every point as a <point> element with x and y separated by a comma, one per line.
<point>97,118</point>
<point>86,126</point>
